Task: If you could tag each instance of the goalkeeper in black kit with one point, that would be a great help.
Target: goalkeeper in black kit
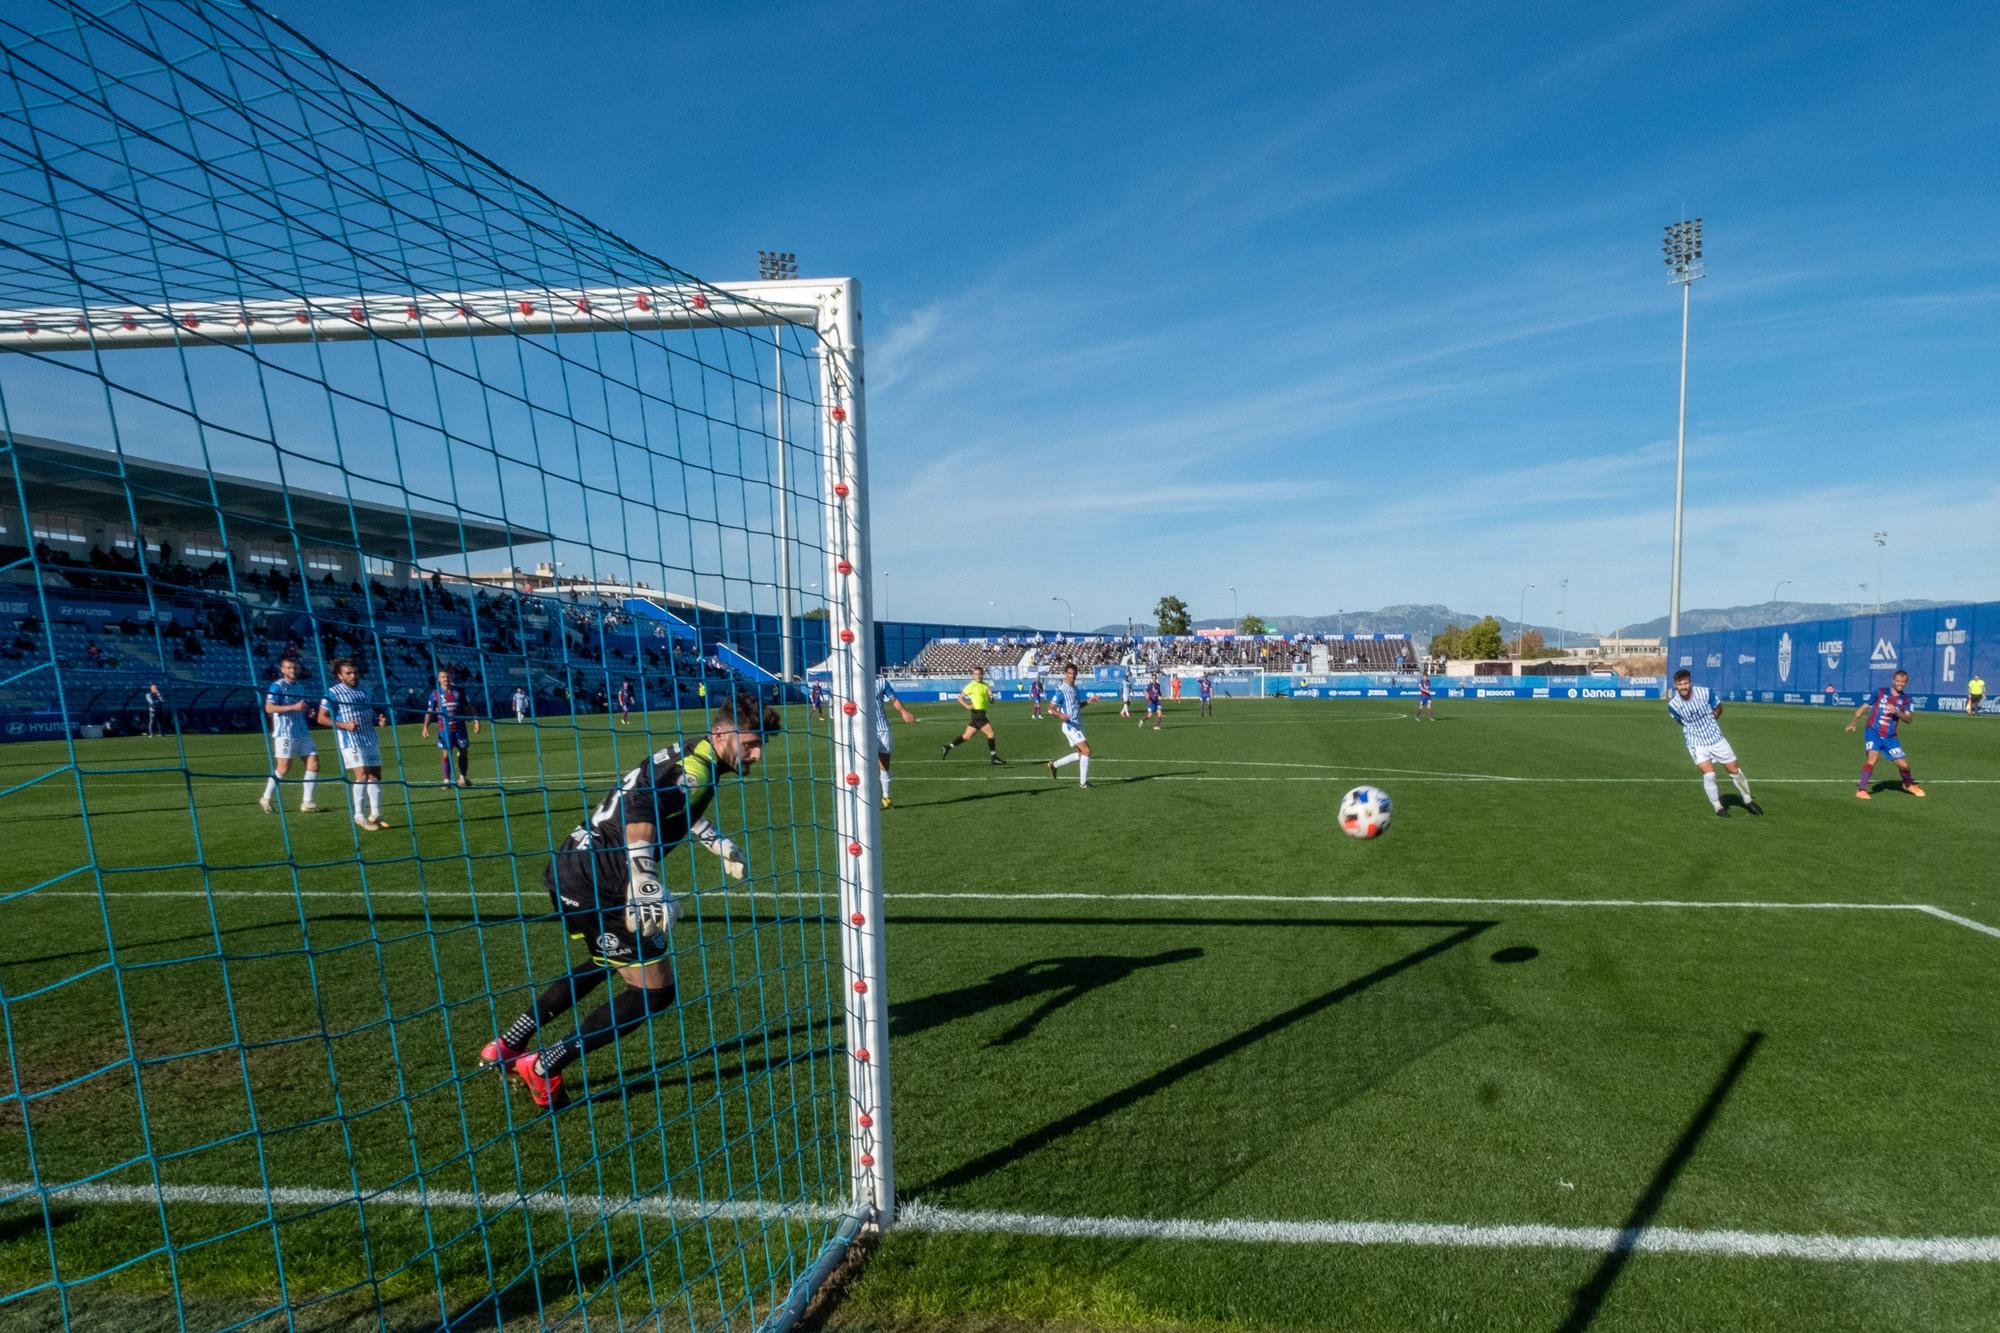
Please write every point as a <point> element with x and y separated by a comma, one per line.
<point>608,885</point>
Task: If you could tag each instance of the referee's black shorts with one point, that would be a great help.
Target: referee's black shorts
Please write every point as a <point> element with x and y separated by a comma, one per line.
<point>977,718</point>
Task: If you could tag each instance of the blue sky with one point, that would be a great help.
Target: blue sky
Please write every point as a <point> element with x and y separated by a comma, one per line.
<point>1337,309</point>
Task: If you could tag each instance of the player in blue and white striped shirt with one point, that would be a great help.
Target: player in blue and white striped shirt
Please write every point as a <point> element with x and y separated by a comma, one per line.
<point>885,699</point>
<point>1066,702</point>
<point>354,717</point>
<point>1690,706</point>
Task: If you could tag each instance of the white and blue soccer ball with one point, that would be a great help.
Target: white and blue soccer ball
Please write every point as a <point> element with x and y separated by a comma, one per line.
<point>1365,812</point>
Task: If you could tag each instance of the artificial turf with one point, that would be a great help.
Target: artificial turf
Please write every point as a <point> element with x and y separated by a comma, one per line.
<point>1160,998</point>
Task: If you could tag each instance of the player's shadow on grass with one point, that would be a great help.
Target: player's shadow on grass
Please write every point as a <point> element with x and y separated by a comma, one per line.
<point>1063,981</point>
<point>1042,789</point>
<point>1025,1145</point>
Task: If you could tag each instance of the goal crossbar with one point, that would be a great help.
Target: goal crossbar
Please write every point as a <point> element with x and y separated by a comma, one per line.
<point>502,311</point>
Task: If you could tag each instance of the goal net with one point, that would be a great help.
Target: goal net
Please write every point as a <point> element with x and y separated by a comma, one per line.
<point>399,576</point>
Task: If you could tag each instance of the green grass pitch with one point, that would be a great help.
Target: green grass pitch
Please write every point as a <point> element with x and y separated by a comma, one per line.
<point>1170,1053</point>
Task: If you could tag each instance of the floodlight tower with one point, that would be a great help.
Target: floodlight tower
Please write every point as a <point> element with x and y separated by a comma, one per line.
<point>1682,247</point>
<point>1881,543</point>
<point>776,266</point>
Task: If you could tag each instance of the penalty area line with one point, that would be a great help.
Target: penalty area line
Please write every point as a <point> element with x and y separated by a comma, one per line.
<point>922,1217</point>
<point>446,898</point>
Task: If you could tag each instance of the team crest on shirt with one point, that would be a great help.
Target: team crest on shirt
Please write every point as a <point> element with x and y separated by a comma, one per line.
<point>1784,657</point>
<point>608,944</point>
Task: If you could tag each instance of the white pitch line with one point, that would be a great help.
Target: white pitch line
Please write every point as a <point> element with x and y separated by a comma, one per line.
<point>445,898</point>
<point>1958,920</point>
<point>922,1217</point>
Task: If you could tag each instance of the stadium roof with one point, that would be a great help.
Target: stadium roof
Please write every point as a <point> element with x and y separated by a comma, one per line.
<point>74,479</point>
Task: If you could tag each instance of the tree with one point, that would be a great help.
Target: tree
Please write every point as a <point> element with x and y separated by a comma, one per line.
<point>1448,642</point>
<point>1484,639</point>
<point>817,613</point>
<point>1532,644</point>
<point>1253,625</point>
<point>1172,613</point>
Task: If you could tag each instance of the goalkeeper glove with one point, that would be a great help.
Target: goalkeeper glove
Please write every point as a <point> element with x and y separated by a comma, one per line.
<point>733,864</point>
<point>649,908</point>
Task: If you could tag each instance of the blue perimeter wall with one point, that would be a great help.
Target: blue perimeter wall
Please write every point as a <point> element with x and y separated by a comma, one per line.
<point>1842,662</point>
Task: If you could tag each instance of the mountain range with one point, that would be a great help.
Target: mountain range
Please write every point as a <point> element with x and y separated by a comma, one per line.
<point>1421,622</point>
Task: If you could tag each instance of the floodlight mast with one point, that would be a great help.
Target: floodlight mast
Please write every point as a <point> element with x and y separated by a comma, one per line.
<point>1682,247</point>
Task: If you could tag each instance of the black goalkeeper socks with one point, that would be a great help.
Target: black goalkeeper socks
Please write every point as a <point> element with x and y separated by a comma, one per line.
<point>628,1009</point>
<point>558,999</point>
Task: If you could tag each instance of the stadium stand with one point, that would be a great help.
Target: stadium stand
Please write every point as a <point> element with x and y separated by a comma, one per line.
<point>207,616</point>
<point>1272,652</point>
<point>955,657</point>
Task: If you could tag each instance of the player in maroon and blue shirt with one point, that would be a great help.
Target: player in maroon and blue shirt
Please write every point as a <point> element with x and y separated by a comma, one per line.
<point>1035,695</point>
<point>1207,696</point>
<point>452,707</point>
<point>1424,698</point>
<point>1885,710</point>
<point>1152,703</point>
<point>624,703</point>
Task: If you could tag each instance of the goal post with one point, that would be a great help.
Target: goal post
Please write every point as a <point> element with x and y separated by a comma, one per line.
<point>299,376</point>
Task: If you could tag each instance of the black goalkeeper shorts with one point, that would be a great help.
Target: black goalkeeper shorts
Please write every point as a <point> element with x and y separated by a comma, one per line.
<point>593,910</point>
<point>977,718</point>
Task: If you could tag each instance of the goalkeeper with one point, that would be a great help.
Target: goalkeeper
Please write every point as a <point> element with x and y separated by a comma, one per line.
<point>607,885</point>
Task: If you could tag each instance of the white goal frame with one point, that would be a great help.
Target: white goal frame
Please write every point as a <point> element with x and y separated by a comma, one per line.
<point>831,308</point>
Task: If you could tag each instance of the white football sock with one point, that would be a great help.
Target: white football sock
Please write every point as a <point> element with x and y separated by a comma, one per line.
<point>374,799</point>
<point>1083,771</point>
<point>1742,781</point>
<point>885,782</point>
<point>1068,759</point>
<point>271,786</point>
<point>359,790</point>
<point>312,780</point>
<point>1709,785</point>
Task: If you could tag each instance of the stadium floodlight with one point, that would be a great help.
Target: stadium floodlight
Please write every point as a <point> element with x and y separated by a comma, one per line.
<point>1234,619</point>
<point>1774,591</point>
<point>1881,545</point>
<point>1521,624</point>
<point>1562,622</point>
<point>1069,608</point>
<point>781,266</point>
<point>1682,249</point>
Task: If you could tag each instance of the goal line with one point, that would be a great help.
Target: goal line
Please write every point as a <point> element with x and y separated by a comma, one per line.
<point>917,1216</point>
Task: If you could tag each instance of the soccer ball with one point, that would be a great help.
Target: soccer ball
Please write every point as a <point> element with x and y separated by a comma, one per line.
<point>1365,813</point>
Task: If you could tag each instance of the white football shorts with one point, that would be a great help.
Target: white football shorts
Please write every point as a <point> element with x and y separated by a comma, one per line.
<point>292,747</point>
<point>883,742</point>
<point>1073,734</point>
<point>363,750</point>
<point>1720,752</point>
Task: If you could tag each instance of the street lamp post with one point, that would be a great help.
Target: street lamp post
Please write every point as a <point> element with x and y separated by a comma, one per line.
<point>1234,619</point>
<point>1682,247</point>
<point>1562,624</point>
<point>772,266</point>
<point>1521,624</point>
<point>1881,546</point>
<point>1774,591</point>
<point>1069,608</point>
